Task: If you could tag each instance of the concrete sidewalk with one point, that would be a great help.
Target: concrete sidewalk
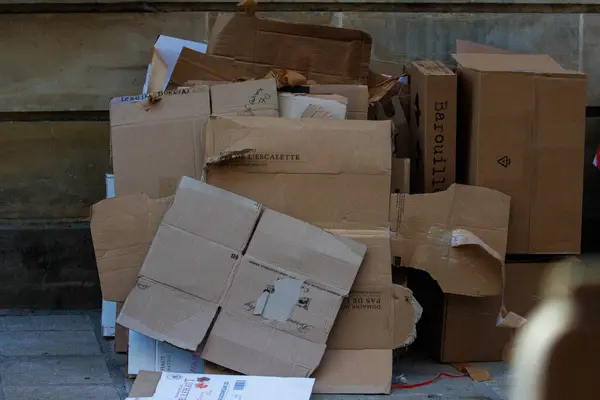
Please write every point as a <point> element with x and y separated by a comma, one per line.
<point>62,356</point>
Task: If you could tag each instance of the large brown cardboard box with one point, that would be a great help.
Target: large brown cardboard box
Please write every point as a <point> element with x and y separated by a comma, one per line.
<point>433,101</point>
<point>331,173</point>
<point>156,138</point>
<point>522,132</point>
<point>324,54</point>
<point>122,230</point>
<point>278,282</point>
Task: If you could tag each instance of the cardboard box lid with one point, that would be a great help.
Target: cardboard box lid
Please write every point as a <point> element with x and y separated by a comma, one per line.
<point>122,230</point>
<point>327,172</point>
<point>354,372</point>
<point>431,68</point>
<point>524,63</point>
<point>248,347</point>
<point>458,236</point>
<point>324,54</point>
<point>357,95</point>
<point>143,127</point>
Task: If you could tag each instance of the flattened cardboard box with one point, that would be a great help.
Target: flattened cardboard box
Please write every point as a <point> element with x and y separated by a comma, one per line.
<point>334,174</point>
<point>122,230</point>
<point>524,124</point>
<point>433,126</point>
<point>324,54</point>
<point>157,137</point>
<point>458,236</point>
<point>280,283</point>
<point>357,95</point>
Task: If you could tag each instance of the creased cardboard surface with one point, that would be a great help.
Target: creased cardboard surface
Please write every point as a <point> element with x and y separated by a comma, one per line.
<point>524,124</point>
<point>144,127</point>
<point>334,174</point>
<point>122,230</point>
<point>274,277</point>
<point>458,236</point>
<point>377,314</point>
<point>323,54</point>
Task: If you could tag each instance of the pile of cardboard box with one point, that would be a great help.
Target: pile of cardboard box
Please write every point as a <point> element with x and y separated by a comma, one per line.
<point>260,217</point>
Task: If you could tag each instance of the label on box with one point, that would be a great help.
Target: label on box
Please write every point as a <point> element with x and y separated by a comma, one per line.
<point>174,386</point>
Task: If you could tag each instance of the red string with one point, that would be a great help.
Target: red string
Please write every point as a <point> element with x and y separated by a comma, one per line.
<point>429,382</point>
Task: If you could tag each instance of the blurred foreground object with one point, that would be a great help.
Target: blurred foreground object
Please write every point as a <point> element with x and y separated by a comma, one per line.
<point>557,353</point>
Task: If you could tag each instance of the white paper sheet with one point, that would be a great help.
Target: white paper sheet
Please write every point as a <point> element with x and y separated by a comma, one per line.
<point>169,49</point>
<point>173,386</point>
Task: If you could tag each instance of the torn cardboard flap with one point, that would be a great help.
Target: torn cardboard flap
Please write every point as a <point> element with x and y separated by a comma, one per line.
<point>308,169</point>
<point>122,230</point>
<point>324,54</point>
<point>458,236</point>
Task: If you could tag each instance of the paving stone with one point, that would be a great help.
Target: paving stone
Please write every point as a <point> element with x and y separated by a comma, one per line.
<point>66,370</point>
<point>55,343</point>
<point>60,393</point>
<point>46,323</point>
